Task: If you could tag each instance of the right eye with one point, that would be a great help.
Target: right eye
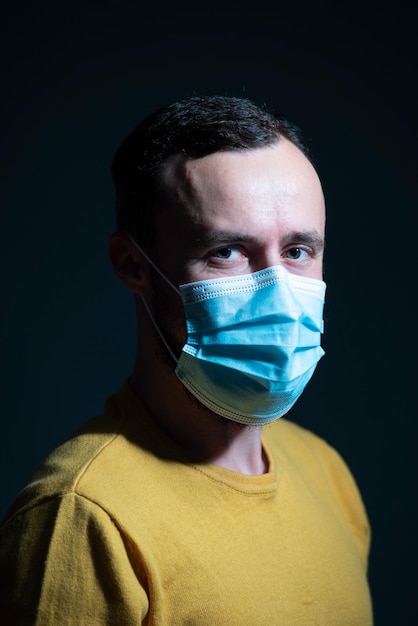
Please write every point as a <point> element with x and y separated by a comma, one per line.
<point>227,257</point>
<point>223,253</point>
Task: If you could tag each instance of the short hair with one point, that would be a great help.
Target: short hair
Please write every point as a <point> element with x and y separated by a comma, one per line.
<point>193,127</point>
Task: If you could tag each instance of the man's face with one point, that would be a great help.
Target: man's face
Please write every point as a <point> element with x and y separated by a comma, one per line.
<point>234,213</point>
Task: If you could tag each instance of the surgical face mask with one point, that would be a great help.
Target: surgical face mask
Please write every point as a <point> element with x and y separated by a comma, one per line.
<point>253,341</point>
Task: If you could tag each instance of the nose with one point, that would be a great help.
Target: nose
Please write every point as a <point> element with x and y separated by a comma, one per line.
<point>267,257</point>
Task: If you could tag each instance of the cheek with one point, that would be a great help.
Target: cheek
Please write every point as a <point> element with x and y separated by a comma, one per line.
<point>169,314</point>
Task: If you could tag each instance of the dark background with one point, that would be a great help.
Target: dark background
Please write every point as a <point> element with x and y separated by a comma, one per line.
<point>76,77</point>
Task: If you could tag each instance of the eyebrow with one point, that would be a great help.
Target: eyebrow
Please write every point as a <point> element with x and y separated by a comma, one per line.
<point>311,237</point>
<point>217,238</point>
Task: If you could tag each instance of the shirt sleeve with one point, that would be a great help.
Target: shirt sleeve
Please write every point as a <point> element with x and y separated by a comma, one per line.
<point>65,561</point>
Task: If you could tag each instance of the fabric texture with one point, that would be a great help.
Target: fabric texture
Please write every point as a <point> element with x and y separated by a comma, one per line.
<point>118,527</point>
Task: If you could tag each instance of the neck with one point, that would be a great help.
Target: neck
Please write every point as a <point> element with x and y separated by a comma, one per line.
<point>204,435</point>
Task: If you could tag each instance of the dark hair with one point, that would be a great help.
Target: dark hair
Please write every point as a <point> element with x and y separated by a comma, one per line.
<point>194,127</point>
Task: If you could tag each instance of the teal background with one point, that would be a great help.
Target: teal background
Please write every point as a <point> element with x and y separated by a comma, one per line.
<point>76,77</point>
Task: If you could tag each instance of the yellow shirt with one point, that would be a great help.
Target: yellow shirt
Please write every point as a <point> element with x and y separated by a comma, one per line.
<point>117,527</point>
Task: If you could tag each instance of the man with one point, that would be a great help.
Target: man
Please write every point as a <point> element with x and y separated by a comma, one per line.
<point>189,501</point>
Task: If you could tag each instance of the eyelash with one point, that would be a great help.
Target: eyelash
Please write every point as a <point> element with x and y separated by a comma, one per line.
<point>230,249</point>
<point>300,249</point>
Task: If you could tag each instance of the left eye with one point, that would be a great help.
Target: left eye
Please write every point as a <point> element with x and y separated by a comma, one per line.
<point>295,253</point>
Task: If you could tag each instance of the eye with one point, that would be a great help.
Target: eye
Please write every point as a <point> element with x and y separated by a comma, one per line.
<point>223,253</point>
<point>227,257</point>
<point>296,253</point>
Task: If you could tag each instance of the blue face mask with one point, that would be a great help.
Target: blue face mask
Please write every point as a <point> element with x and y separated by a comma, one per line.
<point>253,342</point>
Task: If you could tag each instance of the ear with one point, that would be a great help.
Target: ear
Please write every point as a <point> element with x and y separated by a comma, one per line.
<point>129,264</point>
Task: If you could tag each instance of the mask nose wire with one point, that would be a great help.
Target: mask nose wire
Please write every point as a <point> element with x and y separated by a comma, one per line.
<point>145,303</point>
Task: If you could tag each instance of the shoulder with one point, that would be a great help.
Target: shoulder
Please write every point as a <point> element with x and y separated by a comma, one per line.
<point>61,471</point>
<point>106,462</point>
<point>299,444</point>
<point>293,446</point>
<point>298,451</point>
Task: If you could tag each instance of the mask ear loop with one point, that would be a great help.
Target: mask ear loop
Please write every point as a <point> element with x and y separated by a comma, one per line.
<point>151,262</point>
<point>157,328</point>
<point>145,303</point>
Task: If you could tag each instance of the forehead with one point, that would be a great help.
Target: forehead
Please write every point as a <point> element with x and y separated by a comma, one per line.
<point>255,187</point>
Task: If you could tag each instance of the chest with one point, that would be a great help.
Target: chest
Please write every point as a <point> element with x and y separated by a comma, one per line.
<point>254,560</point>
